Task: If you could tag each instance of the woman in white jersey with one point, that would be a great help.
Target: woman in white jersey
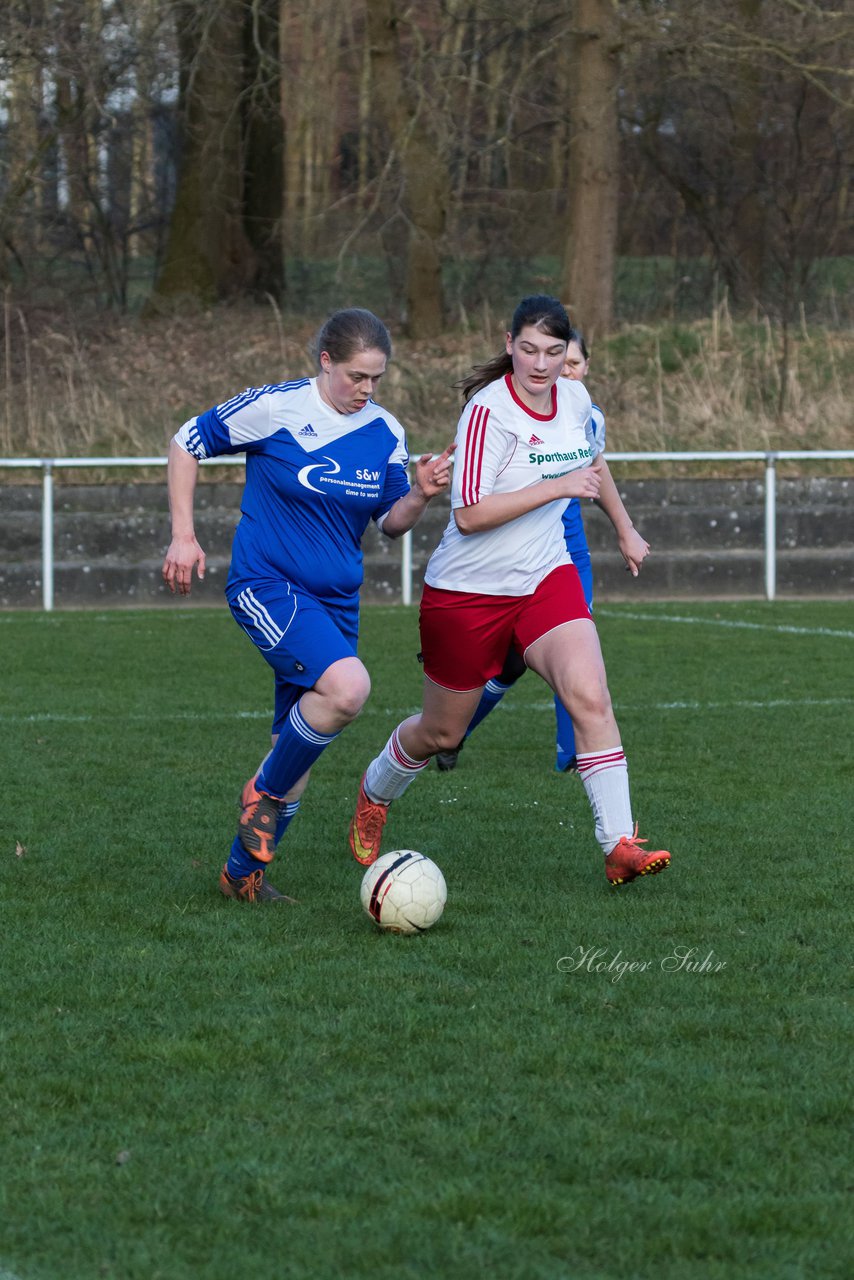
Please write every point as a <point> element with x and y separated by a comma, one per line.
<point>634,550</point>
<point>502,576</point>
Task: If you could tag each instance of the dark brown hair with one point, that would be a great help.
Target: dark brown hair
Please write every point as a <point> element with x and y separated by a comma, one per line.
<point>543,312</point>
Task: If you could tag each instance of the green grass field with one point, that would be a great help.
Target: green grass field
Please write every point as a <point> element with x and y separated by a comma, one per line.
<point>197,1090</point>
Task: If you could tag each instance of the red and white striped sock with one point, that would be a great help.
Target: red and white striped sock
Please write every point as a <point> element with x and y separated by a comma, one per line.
<point>390,773</point>
<point>605,776</point>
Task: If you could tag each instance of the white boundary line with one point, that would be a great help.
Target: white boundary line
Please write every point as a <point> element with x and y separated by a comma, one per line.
<point>779,628</point>
<point>139,615</point>
<point>754,704</point>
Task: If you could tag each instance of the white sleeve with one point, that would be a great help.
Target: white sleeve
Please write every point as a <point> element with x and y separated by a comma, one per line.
<point>483,448</point>
<point>248,417</point>
<point>235,426</point>
<point>187,438</point>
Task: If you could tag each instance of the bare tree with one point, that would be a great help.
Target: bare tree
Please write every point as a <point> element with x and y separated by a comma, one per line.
<point>422,198</point>
<point>315,104</point>
<point>264,147</point>
<point>208,253</point>
<point>472,141</point>
<point>593,204</point>
<point>715,94</point>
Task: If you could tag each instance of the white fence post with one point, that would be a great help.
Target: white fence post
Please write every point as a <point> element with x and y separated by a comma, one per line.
<point>47,537</point>
<point>406,568</point>
<point>406,557</point>
<point>770,526</point>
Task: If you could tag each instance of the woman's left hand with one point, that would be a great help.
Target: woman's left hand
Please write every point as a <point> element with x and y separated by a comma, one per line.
<point>635,550</point>
<point>433,473</point>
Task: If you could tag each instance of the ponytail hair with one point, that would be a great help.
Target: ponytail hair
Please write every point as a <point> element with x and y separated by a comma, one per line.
<point>539,310</point>
<point>482,374</point>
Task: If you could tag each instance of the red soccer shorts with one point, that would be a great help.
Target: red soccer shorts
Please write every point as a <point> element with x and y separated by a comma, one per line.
<point>465,636</point>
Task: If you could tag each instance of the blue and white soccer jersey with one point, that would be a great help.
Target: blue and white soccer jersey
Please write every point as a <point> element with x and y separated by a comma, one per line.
<point>315,478</point>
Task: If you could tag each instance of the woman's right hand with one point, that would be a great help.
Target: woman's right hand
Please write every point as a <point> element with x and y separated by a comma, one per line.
<point>183,555</point>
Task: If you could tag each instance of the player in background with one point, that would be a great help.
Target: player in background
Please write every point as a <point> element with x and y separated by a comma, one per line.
<point>633,547</point>
<point>323,459</point>
<point>502,575</point>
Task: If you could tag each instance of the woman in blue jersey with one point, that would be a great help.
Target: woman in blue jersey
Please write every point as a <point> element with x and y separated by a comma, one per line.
<point>502,577</point>
<point>323,459</point>
<point>633,547</point>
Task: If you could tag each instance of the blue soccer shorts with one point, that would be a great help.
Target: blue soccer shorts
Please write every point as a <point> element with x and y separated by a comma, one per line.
<point>298,635</point>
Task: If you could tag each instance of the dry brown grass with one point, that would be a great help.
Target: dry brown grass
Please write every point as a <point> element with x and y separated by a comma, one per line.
<point>121,386</point>
<point>718,387</point>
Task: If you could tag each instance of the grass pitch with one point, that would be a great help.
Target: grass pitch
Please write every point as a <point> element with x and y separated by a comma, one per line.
<point>560,1081</point>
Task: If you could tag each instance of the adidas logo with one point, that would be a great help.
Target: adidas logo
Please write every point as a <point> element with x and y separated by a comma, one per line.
<point>308,430</point>
<point>535,440</point>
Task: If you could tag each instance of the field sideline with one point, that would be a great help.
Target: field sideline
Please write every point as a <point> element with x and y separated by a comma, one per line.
<point>560,1081</point>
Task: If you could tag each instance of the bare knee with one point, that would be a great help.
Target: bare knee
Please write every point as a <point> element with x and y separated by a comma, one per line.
<point>353,696</point>
<point>345,690</point>
<point>589,706</point>
<point>441,738</point>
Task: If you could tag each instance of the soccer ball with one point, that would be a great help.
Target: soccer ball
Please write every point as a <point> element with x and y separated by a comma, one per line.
<point>404,892</point>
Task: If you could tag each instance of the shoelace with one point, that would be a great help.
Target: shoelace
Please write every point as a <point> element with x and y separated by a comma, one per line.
<point>634,838</point>
<point>375,819</point>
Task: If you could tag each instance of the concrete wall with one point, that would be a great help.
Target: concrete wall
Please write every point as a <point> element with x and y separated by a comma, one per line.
<point>707,537</point>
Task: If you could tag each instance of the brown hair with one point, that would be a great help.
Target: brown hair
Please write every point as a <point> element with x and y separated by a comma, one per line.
<point>349,331</point>
<point>540,310</point>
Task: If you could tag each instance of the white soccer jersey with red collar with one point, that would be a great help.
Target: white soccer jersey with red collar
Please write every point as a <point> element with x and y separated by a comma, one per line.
<point>502,447</point>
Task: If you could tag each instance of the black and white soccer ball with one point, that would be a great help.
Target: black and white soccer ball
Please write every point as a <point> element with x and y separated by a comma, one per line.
<point>404,892</point>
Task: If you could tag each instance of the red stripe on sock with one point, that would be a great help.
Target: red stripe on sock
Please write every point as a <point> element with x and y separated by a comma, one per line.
<point>401,758</point>
<point>590,764</point>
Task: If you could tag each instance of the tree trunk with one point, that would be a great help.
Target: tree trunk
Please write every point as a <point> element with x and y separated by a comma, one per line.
<point>208,255</point>
<point>746,267</point>
<point>423,172</point>
<point>264,148</point>
<point>142,181</point>
<point>591,249</point>
<point>75,111</point>
<point>20,211</point>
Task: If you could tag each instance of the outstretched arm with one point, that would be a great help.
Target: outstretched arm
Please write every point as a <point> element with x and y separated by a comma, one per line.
<point>432,476</point>
<point>184,551</point>
<point>634,548</point>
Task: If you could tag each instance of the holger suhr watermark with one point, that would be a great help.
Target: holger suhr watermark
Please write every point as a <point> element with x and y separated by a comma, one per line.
<point>615,965</point>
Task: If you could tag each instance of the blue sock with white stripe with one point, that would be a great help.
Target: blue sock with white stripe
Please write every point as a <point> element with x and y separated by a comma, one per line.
<point>286,816</point>
<point>240,861</point>
<point>493,692</point>
<point>297,748</point>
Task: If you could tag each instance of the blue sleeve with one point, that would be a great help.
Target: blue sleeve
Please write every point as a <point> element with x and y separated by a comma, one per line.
<point>215,435</point>
<point>396,485</point>
<point>597,424</point>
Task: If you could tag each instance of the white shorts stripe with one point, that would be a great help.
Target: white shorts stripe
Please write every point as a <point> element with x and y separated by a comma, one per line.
<point>259,615</point>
